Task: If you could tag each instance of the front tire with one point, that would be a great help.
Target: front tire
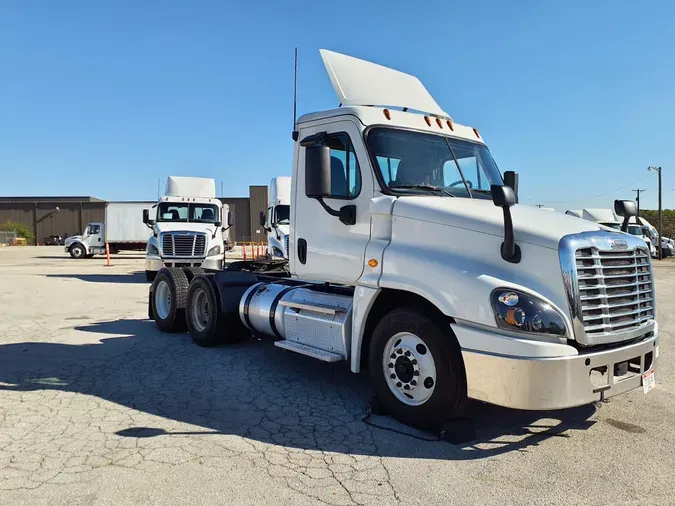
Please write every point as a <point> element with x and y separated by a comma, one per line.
<point>77,251</point>
<point>169,295</point>
<point>417,370</point>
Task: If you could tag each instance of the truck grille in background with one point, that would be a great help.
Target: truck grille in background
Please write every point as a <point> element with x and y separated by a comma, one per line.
<point>286,244</point>
<point>179,244</point>
<point>615,289</point>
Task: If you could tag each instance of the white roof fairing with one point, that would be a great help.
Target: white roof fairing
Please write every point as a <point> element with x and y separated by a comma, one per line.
<point>359,82</point>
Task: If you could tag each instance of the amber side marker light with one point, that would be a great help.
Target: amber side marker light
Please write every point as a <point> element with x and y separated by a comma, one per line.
<point>387,114</point>
<point>428,120</point>
<point>372,262</point>
<point>439,123</point>
<point>450,125</point>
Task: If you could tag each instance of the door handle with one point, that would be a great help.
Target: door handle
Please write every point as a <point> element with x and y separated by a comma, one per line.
<point>302,251</point>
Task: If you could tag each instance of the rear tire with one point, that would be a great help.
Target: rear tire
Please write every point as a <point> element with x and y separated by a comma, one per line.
<point>150,276</point>
<point>169,295</point>
<point>203,312</point>
<point>417,370</point>
<point>77,251</point>
<point>192,272</point>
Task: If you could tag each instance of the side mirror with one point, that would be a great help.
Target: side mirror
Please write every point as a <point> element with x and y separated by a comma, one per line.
<point>146,218</point>
<point>504,197</point>
<point>262,219</point>
<point>218,223</point>
<point>626,209</point>
<point>511,180</point>
<point>317,171</point>
<point>230,218</point>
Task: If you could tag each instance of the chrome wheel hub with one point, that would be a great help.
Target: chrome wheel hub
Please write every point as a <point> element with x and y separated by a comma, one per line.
<point>200,311</point>
<point>409,368</point>
<point>163,299</point>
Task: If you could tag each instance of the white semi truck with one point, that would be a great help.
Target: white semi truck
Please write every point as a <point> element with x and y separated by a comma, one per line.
<point>190,227</point>
<point>122,229</point>
<point>276,220</point>
<point>410,258</point>
<point>608,218</point>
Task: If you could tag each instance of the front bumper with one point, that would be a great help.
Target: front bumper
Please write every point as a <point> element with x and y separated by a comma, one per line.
<point>542,383</point>
<point>154,264</point>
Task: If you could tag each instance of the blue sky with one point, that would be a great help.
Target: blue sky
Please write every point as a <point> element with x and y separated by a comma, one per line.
<point>102,98</point>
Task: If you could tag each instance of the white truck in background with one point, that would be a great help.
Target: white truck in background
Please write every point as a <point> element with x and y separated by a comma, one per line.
<point>410,258</point>
<point>608,218</point>
<point>276,220</point>
<point>190,227</point>
<point>122,229</point>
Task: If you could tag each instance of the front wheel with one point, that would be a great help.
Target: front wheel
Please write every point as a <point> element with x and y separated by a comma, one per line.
<point>169,294</point>
<point>77,251</point>
<point>416,369</point>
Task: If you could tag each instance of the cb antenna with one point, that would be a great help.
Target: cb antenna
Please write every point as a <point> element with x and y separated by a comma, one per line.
<point>295,96</point>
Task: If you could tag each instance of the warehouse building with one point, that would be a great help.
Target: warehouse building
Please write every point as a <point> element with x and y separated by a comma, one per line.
<point>66,216</point>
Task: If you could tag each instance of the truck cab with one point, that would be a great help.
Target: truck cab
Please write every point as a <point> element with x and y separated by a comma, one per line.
<point>190,227</point>
<point>276,219</point>
<point>410,257</point>
<point>90,243</point>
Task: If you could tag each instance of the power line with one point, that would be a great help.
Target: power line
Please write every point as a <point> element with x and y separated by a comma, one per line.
<point>593,196</point>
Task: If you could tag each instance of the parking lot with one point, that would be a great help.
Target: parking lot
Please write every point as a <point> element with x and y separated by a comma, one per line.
<point>98,407</point>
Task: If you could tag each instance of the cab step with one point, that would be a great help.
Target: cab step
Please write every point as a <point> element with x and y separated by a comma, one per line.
<point>303,349</point>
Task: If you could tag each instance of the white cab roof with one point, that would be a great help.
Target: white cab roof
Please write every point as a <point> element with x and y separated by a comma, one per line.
<point>178,186</point>
<point>359,82</point>
<point>280,190</point>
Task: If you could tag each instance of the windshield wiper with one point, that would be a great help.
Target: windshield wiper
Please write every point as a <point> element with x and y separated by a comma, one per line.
<point>427,187</point>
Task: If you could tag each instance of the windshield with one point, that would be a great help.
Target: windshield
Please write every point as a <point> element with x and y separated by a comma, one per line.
<point>184,212</point>
<point>419,162</point>
<point>611,224</point>
<point>282,214</point>
<point>635,230</point>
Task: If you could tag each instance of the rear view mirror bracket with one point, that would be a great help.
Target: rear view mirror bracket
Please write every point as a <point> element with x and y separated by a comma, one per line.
<point>504,197</point>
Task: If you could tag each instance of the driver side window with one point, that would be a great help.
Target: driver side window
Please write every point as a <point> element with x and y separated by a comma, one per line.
<point>345,171</point>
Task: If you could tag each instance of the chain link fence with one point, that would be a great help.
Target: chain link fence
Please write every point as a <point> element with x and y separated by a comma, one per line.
<point>7,237</point>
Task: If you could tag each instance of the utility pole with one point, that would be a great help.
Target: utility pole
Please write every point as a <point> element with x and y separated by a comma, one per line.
<point>658,171</point>
<point>638,192</point>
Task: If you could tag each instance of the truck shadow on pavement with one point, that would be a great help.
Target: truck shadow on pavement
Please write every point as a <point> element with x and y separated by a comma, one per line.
<point>255,391</point>
<point>133,277</point>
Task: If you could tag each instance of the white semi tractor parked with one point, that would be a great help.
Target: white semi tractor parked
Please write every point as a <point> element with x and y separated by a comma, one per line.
<point>608,218</point>
<point>122,229</point>
<point>410,258</point>
<point>190,227</point>
<point>276,220</point>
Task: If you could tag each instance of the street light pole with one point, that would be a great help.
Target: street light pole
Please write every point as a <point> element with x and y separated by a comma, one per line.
<point>658,171</point>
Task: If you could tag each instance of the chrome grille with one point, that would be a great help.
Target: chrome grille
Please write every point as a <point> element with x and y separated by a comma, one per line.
<point>609,283</point>
<point>615,289</point>
<point>184,245</point>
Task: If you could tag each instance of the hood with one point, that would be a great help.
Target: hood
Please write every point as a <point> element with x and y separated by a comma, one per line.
<point>531,225</point>
<point>72,239</point>
<point>173,226</point>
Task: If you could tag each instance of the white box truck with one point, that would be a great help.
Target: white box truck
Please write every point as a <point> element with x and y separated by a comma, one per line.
<point>276,219</point>
<point>409,257</point>
<point>123,229</point>
<point>190,227</point>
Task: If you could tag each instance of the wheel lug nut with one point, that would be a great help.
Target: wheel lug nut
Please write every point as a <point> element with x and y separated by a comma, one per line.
<point>407,387</point>
<point>392,376</point>
<point>399,351</point>
<point>414,361</point>
<point>407,353</point>
<point>393,356</point>
<point>399,384</point>
<point>413,382</point>
<point>416,373</point>
<point>391,366</point>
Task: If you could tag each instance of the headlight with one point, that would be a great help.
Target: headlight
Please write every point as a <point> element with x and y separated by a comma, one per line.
<point>152,250</point>
<point>214,251</point>
<point>517,311</point>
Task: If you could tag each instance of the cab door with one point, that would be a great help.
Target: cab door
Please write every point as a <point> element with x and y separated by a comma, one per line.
<point>324,247</point>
